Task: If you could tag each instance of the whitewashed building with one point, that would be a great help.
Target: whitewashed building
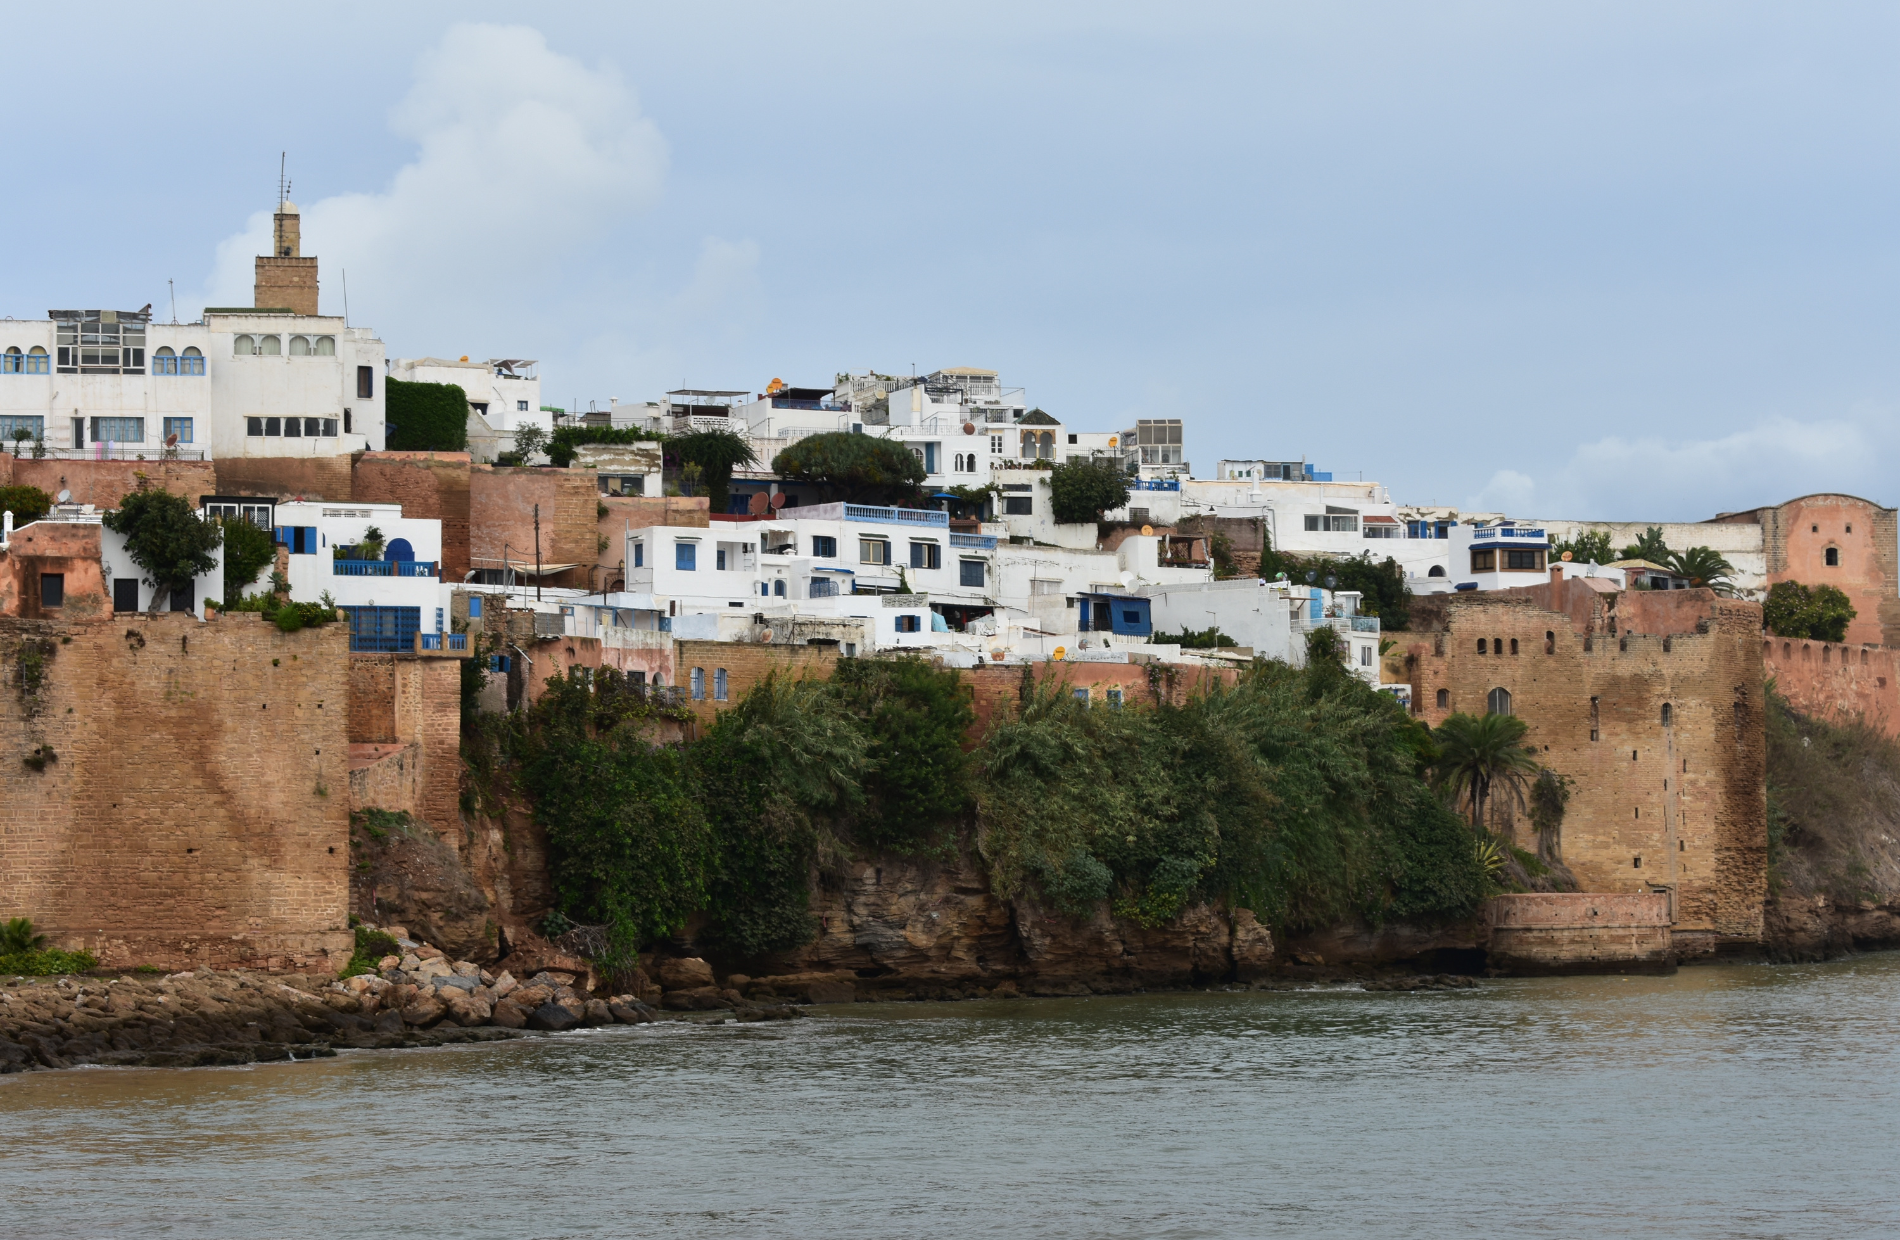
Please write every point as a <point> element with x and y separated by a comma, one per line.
<point>504,396</point>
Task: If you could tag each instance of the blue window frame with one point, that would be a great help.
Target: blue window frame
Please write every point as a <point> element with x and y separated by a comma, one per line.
<point>1082,696</point>
<point>301,539</point>
<point>384,630</point>
<point>719,684</point>
<point>12,424</point>
<point>719,559</point>
<point>778,588</point>
<point>824,547</point>
<point>970,573</point>
<point>180,427</point>
<point>685,556</point>
<point>498,663</point>
<point>639,555</point>
<point>699,684</point>
<point>474,607</point>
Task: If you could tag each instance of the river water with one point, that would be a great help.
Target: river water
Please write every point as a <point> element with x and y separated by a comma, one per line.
<point>1721,1102</point>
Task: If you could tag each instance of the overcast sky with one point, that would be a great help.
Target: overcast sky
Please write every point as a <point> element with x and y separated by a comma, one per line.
<point>1616,261</point>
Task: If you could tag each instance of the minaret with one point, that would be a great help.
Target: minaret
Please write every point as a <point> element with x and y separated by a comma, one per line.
<point>285,279</point>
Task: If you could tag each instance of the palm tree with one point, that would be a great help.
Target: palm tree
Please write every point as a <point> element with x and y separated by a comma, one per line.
<point>1477,754</point>
<point>1649,547</point>
<point>1705,567</point>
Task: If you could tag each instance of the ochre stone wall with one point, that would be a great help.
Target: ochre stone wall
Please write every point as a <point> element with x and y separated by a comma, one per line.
<point>195,809</point>
<point>414,701</point>
<point>429,486</point>
<point>285,283</point>
<point>104,483</point>
<point>746,665</point>
<point>501,518</point>
<point>1796,537</point>
<point>286,477</point>
<point>67,548</point>
<point>1567,932</point>
<point>1679,805</point>
<point>386,777</point>
<point>1837,681</point>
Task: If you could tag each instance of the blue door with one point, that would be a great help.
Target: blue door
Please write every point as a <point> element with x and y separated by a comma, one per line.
<point>399,549</point>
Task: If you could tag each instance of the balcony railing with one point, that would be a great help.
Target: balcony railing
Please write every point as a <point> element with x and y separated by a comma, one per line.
<point>785,402</point>
<point>1155,484</point>
<point>442,643</point>
<point>975,542</point>
<point>382,568</point>
<point>898,516</point>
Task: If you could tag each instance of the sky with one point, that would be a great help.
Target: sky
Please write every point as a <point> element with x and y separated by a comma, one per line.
<point>1611,261</point>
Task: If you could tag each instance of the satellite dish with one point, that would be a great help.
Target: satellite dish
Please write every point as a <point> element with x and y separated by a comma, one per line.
<point>1566,557</point>
<point>969,428</point>
<point>996,656</point>
<point>778,501</point>
<point>171,440</point>
<point>1147,531</point>
<point>65,497</point>
<point>766,636</point>
<point>1127,580</point>
<point>1059,653</point>
<point>1331,582</point>
<point>1311,576</point>
<point>1113,439</point>
<point>759,504</point>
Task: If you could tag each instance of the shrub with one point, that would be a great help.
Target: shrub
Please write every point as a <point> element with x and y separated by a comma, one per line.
<point>1210,638</point>
<point>1586,547</point>
<point>856,468</point>
<point>25,503</point>
<point>1082,490</point>
<point>165,536</point>
<point>248,550</point>
<point>425,417</point>
<point>715,453</point>
<point>47,963</point>
<point>371,947</point>
<point>1818,613</point>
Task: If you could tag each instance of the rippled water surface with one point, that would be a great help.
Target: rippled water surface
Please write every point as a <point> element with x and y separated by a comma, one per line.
<point>1735,1101</point>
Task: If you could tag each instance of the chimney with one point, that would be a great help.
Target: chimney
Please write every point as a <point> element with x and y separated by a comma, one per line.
<point>285,279</point>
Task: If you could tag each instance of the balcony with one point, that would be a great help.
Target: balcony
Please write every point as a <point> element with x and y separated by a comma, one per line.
<point>974,542</point>
<point>382,568</point>
<point>455,645</point>
<point>897,516</point>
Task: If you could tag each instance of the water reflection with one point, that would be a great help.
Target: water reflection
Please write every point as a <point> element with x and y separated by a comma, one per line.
<point>1721,1101</point>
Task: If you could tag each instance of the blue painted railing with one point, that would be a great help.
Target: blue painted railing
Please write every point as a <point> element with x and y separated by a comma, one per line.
<point>1156,484</point>
<point>982,542</point>
<point>898,516</point>
<point>435,641</point>
<point>382,568</point>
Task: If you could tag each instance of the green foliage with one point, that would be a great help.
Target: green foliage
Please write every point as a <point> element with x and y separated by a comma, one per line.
<point>17,936</point>
<point>248,550</point>
<point>425,417</point>
<point>1649,547</point>
<point>1833,805</point>
<point>530,442</point>
<point>1818,613</point>
<point>1704,567</point>
<point>717,454</point>
<point>1210,638</point>
<point>165,536</point>
<point>1482,753</point>
<point>1295,794</point>
<point>1380,583</point>
<point>1586,547</point>
<point>25,503</point>
<point>915,780</point>
<point>1082,490</point>
<point>855,468</point>
<point>289,617</point>
<point>566,441</point>
<point>371,947</point>
<point>48,963</point>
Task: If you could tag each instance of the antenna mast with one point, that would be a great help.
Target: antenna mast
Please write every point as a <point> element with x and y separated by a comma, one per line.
<point>283,185</point>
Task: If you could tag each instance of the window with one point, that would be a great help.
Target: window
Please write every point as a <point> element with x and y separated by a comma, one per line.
<point>1484,561</point>
<point>1521,560</point>
<point>1333,520</point>
<point>1437,570</point>
<point>326,346</point>
<point>778,588</point>
<point>180,427</point>
<point>1668,714</point>
<point>125,594</point>
<point>1594,734</point>
<point>498,663</point>
<point>909,624</point>
<point>925,554</point>
<point>270,346</point>
<point>92,346</point>
<point>52,589</point>
<point>639,555</point>
<point>1072,439</point>
<point>685,557</point>
<point>1444,699</point>
<point>996,445</point>
<point>719,684</point>
<point>1550,642</point>
<point>1514,645</point>
<point>365,382</point>
<point>1019,506</point>
<point>874,551</point>
<point>1365,656</point>
<point>622,484</point>
<point>293,428</point>
<point>32,362</point>
<point>719,559</point>
<point>243,346</point>
<point>300,346</point>
<point>15,427</point>
<point>1498,702</point>
<point>300,539</point>
<point>824,547</point>
<point>822,587</point>
<point>1114,695</point>
<point>699,684</point>
<point>474,607</point>
<point>346,421</point>
<point>1082,696</point>
<point>970,573</point>
<point>1482,647</point>
<point>327,426</point>
<point>118,430</point>
<point>1833,557</point>
<point>185,599</point>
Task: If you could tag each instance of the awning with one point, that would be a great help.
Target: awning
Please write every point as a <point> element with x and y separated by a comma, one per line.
<point>1380,520</point>
<point>849,572</point>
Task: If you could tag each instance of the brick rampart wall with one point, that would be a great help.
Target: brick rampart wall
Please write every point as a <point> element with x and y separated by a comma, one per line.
<point>746,665</point>
<point>1837,681</point>
<point>286,477</point>
<point>104,483</point>
<point>69,549</point>
<point>196,812</point>
<point>428,485</point>
<point>1680,805</point>
<point>501,518</point>
<point>999,687</point>
<point>406,700</point>
<point>386,777</point>
<point>1573,933</point>
<point>372,698</point>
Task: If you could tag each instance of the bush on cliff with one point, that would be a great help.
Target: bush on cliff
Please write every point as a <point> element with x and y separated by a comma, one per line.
<point>1833,806</point>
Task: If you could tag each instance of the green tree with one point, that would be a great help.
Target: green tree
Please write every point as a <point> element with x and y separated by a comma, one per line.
<point>914,716</point>
<point>1649,547</point>
<point>1081,490</point>
<point>248,550</point>
<point>1482,754</point>
<point>17,936</point>
<point>856,468</point>
<point>165,536</point>
<point>1818,613</point>
<point>717,454</point>
<point>1585,547</point>
<point>25,503</point>
<point>1380,583</point>
<point>1705,568</point>
<point>530,441</point>
<point>425,417</point>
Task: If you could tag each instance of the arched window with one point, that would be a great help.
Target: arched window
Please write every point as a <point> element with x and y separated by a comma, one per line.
<point>243,346</point>
<point>1550,642</point>
<point>659,680</point>
<point>1514,645</point>
<point>1497,646</point>
<point>1668,715</point>
<point>300,346</point>
<point>38,361</point>
<point>699,684</point>
<point>270,346</point>
<point>1833,557</point>
<point>163,350</point>
<point>1437,570</point>
<point>778,588</point>
<point>719,684</point>
<point>326,346</point>
<point>1048,446</point>
<point>399,549</point>
<point>1498,702</point>
<point>12,362</point>
<point>1481,646</point>
<point>1029,445</point>
<point>1444,699</point>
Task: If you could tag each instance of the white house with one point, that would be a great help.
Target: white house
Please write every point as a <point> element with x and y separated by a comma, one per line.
<point>392,591</point>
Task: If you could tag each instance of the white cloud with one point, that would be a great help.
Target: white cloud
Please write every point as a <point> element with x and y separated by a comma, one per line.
<point>522,156</point>
<point>1650,477</point>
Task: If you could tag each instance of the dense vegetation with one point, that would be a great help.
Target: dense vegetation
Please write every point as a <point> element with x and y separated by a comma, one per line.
<point>425,417</point>
<point>1380,583</point>
<point>1081,490</point>
<point>25,503</point>
<point>1833,807</point>
<point>715,454</point>
<point>861,469</point>
<point>24,953</point>
<point>248,550</point>
<point>165,536</point>
<point>1298,794</point>
<point>1819,613</point>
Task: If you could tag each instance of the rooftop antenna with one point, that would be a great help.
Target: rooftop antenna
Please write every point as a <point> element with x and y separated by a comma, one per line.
<point>174,291</point>
<point>283,182</point>
<point>346,295</point>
